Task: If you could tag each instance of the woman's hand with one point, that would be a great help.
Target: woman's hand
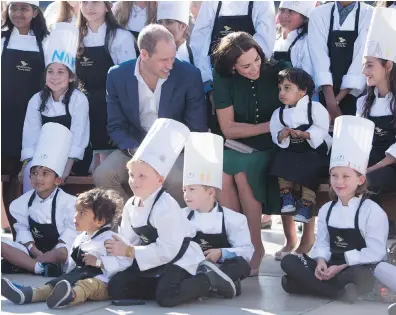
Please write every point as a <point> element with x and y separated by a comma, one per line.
<point>115,247</point>
<point>300,134</point>
<point>332,271</point>
<point>67,170</point>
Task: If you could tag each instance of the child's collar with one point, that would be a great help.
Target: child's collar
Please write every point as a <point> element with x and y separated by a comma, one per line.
<point>49,197</point>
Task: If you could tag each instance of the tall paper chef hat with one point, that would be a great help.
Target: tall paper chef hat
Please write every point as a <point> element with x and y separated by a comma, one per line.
<point>53,147</point>
<point>174,10</point>
<point>63,45</point>
<point>203,160</point>
<point>352,142</point>
<point>381,38</point>
<point>162,145</point>
<point>36,3</point>
<point>302,7</point>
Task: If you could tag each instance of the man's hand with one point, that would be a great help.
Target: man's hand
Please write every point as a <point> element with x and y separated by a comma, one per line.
<point>89,260</point>
<point>115,247</point>
<point>320,269</point>
<point>213,255</point>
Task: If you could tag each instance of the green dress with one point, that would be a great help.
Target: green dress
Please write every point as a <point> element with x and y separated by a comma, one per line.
<point>254,101</point>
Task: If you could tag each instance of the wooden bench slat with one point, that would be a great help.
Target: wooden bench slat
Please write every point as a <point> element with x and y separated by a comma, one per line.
<point>79,180</point>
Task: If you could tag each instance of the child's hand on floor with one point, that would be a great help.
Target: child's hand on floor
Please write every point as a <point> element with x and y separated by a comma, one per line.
<point>213,255</point>
<point>89,260</point>
<point>320,269</point>
<point>115,247</point>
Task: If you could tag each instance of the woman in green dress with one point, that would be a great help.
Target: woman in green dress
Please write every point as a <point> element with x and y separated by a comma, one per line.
<point>245,95</point>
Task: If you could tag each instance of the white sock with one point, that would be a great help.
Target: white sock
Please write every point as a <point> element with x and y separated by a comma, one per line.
<point>38,268</point>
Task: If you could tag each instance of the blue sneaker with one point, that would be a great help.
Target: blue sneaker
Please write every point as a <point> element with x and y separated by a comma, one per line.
<point>61,296</point>
<point>52,270</point>
<point>288,203</point>
<point>303,212</point>
<point>16,293</point>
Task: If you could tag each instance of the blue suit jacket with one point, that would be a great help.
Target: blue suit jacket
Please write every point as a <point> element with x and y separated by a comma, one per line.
<point>182,99</point>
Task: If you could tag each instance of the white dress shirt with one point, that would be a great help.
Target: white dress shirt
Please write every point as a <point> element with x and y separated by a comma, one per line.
<point>263,16</point>
<point>182,53</point>
<point>172,227</point>
<point>138,18</point>
<point>96,248</point>
<point>299,53</point>
<point>23,42</point>
<point>40,212</point>
<point>122,47</point>
<point>319,24</point>
<point>236,226</point>
<point>373,225</point>
<point>297,116</point>
<point>79,111</point>
<point>148,100</point>
<point>381,107</point>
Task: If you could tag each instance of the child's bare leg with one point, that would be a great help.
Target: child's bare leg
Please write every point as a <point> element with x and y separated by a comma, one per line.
<point>17,257</point>
<point>56,255</point>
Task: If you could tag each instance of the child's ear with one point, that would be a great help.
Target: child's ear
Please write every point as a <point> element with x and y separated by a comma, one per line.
<point>58,180</point>
<point>362,180</point>
<point>161,180</point>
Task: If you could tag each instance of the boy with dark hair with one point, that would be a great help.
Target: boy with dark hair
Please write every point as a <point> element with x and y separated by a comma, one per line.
<point>89,266</point>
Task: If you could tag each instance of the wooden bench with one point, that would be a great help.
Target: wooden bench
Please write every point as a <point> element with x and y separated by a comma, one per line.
<point>77,184</point>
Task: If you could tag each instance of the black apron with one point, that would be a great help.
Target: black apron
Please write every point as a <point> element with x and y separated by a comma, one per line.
<point>45,236</point>
<point>91,69</point>
<point>22,73</point>
<point>148,235</point>
<point>300,163</point>
<point>80,167</point>
<point>384,137</point>
<point>224,25</point>
<point>286,55</point>
<point>209,241</point>
<point>190,54</point>
<point>344,239</point>
<point>81,271</point>
<point>341,46</point>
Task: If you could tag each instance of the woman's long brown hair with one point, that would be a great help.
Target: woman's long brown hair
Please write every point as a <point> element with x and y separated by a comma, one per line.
<point>124,9</point>
<point>65,12</point>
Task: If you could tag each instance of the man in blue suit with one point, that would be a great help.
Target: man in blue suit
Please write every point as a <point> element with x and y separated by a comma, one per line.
<point>139,91</point>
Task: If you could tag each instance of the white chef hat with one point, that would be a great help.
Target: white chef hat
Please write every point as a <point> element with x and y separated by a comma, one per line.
<point>53,147</point>
<point>203,160</point>
<point>162,145</point>
<point>352,142</point>
<point>174,10</point>
<point>381,38</point>
<point>302,7</point>
<point>63,45</point>
<point>36,3</point>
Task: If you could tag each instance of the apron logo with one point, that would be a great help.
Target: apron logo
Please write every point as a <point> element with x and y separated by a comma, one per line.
<point>340,242</point>
<point>86,62</point>
<point>342,43</point>
<point>144,239</point>
<point>203,242</point>
<point>227,30</point>
<point>380,132</point>
<point>24,66</point>
<point>36,233</point>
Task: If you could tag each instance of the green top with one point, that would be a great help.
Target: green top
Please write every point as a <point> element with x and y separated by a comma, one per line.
<point>254,101</point>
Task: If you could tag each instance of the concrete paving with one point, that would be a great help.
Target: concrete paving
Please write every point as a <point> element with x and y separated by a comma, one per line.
<point>261,295</point>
